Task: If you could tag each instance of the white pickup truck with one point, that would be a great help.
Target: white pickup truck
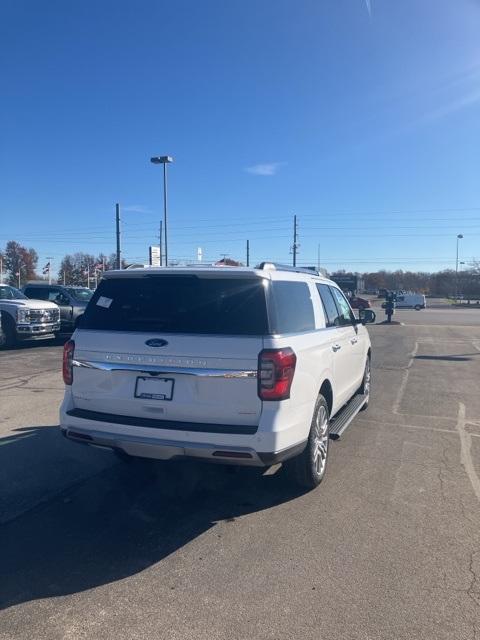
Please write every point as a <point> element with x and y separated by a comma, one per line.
<point>26,319</point>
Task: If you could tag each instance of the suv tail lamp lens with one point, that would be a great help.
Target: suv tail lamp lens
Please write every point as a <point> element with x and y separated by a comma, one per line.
<point>276,368</point>
<point>68,350</point>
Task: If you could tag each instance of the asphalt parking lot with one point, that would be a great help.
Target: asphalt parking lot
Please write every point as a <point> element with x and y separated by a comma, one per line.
<point>387,547</point>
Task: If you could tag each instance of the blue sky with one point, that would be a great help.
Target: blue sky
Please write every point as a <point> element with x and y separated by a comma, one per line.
<point>363,118</point>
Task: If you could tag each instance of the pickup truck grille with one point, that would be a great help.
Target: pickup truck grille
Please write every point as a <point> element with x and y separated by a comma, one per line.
<point>44,315</point>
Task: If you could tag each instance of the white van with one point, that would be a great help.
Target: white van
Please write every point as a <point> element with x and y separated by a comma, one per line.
<point>411,301</point>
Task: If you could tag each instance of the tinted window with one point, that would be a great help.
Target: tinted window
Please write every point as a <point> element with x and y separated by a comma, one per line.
<point>329,306</point>
<point>37,293</point>
<point>344,312</point>
<point>292,307</point>
<point>179,304</point>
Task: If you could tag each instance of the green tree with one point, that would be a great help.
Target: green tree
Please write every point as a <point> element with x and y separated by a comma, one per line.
<point>20,263</point>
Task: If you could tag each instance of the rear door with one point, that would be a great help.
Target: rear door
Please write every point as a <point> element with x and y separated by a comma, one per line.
<point>176,347</point>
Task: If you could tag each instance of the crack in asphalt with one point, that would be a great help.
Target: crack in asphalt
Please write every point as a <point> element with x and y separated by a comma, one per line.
<point>20,382</point>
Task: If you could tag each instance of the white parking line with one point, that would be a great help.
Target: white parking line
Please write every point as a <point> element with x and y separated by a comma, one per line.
<point>403,384</point>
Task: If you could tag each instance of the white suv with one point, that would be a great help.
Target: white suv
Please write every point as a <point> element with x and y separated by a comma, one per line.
<point>233,365</point>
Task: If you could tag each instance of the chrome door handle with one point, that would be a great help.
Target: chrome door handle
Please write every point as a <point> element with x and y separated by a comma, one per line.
<point>336,347</point>
<point>354,340</point>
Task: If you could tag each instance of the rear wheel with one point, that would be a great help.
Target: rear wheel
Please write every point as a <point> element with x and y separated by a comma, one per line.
<point>418,307</point>
<point>308,469</point>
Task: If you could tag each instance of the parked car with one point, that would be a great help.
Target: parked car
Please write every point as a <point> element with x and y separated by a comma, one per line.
<point>71,301</point>
<point>25,319</point>
<point>244,366</point>
<point>359,303</point>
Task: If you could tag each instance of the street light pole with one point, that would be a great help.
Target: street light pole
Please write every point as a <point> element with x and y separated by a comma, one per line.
<point>459,237</point>
<point>164,160</point>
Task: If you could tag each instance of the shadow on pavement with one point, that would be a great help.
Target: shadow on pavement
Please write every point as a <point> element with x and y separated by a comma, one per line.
<point>120,521</point>
<point>463,357</point>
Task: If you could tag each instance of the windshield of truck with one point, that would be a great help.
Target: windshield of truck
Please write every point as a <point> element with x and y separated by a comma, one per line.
<point>10,293</point>
<point>81,294</point>
<point>179,304</point>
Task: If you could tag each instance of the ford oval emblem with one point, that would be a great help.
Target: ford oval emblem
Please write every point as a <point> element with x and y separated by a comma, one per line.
<point>156,342</point>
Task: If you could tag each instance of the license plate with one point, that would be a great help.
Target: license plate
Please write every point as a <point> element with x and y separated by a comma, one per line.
<point>154,388</point>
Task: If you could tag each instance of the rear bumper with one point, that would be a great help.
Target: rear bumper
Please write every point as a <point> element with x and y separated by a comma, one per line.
<point>145,447</point>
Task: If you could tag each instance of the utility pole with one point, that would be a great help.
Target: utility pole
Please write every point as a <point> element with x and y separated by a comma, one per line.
<point>318,257</point>
<point>161,243</point>
<point>1,269</point>
<point>64,277</point>
<point>459,237</point>
<point>117,221</point>
<point>164,160</point>
<point>248,253</point>
<point>165,210</point>
<point>295,245</point>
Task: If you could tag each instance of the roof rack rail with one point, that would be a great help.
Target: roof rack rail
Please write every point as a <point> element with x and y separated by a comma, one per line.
<point>276,266</point>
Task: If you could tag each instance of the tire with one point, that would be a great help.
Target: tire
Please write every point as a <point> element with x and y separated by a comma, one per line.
<point>308,469</point>
<point>366,384</point>
<point>417,307</point>
<point>9,331</point>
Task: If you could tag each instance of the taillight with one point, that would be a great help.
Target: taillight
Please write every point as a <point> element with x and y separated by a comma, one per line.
<point>68,350</point>
<point>276,368</point>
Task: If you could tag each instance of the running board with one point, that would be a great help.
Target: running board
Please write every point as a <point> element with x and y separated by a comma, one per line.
<point>344,418</point>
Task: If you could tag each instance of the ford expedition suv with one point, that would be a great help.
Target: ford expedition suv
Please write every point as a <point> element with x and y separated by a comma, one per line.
<point>243,366</point>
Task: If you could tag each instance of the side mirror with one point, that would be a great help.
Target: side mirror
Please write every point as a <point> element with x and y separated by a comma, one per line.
<point>367,316</point>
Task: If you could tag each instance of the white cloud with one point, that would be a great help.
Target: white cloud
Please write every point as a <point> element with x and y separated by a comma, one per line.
<point>137,208</point>
<point>265,169</point>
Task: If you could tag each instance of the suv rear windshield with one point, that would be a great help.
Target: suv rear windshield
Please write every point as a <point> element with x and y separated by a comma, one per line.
<point>179,304</point>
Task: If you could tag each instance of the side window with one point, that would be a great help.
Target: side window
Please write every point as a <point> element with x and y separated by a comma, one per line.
<point>293,308</point>
<point>37,293</point>
<point>329,306</point>
<point>345,313</point>
<point>59,298</point>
